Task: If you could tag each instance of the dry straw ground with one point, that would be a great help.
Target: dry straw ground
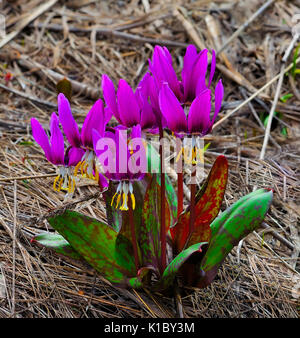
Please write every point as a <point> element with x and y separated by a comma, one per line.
<point>82,39</point>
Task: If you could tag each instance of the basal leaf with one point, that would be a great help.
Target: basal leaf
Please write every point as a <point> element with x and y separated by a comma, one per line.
<point>176,265</point>
<point>230,227</point>
<point>149,234</point>
<point>208,203</point>
<point>57,243</point>
<point>110,254</point>
<point>154,162</point>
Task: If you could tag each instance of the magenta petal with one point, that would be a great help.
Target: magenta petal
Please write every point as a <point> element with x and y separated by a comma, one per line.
<point>188,62</point>
<point>103,181</point>
<point>172,110</point>
<point>212,68</point>
<point>219,93</point>
<point>162,69</point>
<point>109,95</point>
<point>148,118</point>
<point>128,107</point>
<point>136,131</point>
<point>41,137</point>
<point>199,114</point>
<point>67,121</point>
<point>93,120</point>
<point>57,141</point>
<point>107,115</point>
<point>75,155</point>
<point>199,73</point>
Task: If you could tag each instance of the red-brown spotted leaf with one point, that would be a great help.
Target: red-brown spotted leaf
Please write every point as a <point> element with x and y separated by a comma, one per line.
<point>208,203</point>
<point>243,217</point>
<point>56,243</point>
<point>109,253</point>
<point>149,234</point>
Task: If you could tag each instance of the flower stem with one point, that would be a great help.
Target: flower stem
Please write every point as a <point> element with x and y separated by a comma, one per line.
<point>179,193</point>
<point>162,207</point>
<point>192,204</point>
<point>133,235</point>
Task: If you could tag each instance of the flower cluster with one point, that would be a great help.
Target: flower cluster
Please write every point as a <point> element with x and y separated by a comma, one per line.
<point>148,232</point>
<point>160,99</point>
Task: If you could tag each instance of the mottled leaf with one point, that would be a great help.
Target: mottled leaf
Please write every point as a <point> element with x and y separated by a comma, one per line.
<point>57,243</point>
<point>208,203</point>
<point>176,265</point>
<point>149,234</point>
<point>98,244</point>
<point>230,227</point>
<point>154,162</point>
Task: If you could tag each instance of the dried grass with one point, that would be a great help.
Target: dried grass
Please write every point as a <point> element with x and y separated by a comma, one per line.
<point>260,277</point>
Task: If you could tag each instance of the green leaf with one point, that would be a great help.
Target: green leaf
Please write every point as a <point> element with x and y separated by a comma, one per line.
<point>284,131</point>
<point>295,57</point>
<point>286,97</point>
<point>57,243</point>
<point>109,253</point>
<point>149,233</point>
<point>230,227</point>
<point>176,265</point>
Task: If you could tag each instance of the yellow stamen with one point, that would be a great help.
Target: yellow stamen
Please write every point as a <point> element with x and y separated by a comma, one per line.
<point>194,156</point>
<point>186,159</point>
<point>60,184</point>
<point>77,168</point>
<point>112,200</point>
<point>179,154</point>
<point>70,185</point>
<point>96,175</point>
<point>73,185</point>
<point>124,205</point>
<point>55,182</point>
<point>82,168</point>
<point>118,200</point>
<point>132,201</point>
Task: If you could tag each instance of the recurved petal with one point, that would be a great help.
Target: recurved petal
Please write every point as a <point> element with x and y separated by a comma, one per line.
<point>57,141</point>
<point>199,114</point>
<point>172,110</point>
<point>109,95</point>
<point>128,107</point>
<point>163,71</point>
<point>93,120</point>
<point>188,62</point>
<point>67,121</point>
<point>74,156</point>
<point>219,94</point>
<point>103,181</point>
<point>199,73</point>
<point>41,137</point>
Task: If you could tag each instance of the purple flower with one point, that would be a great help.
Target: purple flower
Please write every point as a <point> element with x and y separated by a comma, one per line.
<point>193,72</point>
<point>129,108</point>
<point>123,160</point>
<point>54,152</point>
<point>97,118</point>
<point>195,119</point>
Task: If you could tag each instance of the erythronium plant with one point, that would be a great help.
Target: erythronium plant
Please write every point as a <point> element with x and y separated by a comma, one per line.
<point>148,239</point>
